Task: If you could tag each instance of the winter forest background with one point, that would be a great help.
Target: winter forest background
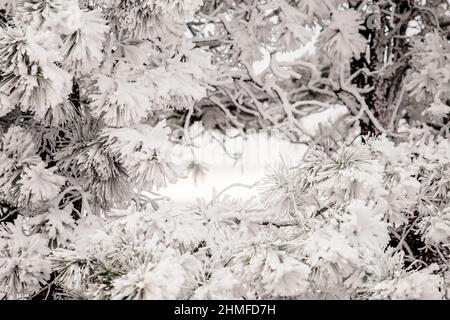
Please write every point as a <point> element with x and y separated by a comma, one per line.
<point>323,127</point>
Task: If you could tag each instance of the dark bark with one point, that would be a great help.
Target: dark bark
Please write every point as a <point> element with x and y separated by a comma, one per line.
<point>382,46</point>
<point>8,212</point>
<point>363,80</point>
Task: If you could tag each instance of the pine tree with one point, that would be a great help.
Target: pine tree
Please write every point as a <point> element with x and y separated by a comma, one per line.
<point>93,95</point>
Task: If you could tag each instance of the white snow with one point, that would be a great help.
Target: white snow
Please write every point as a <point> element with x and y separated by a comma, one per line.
<point>259,153</point>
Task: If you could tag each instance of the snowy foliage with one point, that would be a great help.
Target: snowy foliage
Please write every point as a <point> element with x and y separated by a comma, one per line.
<point>341,37</point>
<point>96,96</point>
<point>335,241</point>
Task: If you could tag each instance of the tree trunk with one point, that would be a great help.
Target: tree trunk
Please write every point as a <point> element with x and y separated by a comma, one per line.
<point>383,47</point>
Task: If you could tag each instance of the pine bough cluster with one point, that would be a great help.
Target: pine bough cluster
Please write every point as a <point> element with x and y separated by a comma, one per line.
<point>83,85</point>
